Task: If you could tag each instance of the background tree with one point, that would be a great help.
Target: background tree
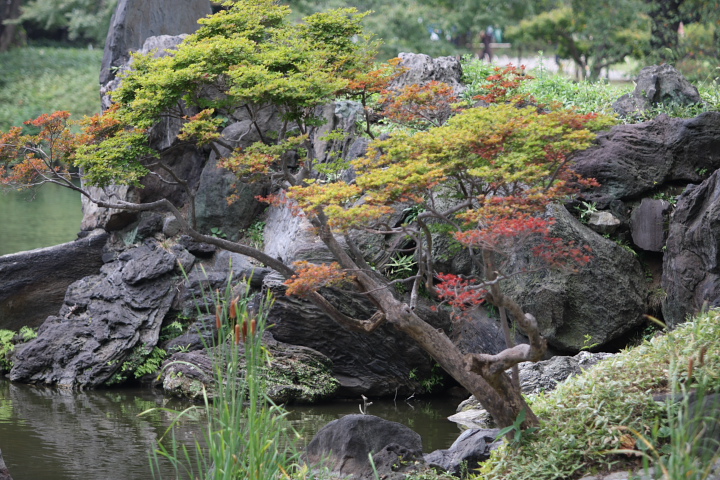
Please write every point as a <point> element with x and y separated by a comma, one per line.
<point>9,10</point>
<point>69,20</point>
<point>594,34</point>
<point>484,177</point>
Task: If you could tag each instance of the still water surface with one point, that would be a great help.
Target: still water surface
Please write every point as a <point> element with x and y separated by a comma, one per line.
<point>42,217</point>
<point>50,434</point>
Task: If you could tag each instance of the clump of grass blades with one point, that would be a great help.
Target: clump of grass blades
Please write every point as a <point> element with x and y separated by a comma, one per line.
<point>246,435</point>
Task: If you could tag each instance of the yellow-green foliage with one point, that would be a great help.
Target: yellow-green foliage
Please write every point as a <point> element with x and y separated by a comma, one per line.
<point>581,419</point>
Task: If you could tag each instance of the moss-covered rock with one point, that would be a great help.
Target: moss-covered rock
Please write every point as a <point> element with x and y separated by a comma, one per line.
<point>295,374</point>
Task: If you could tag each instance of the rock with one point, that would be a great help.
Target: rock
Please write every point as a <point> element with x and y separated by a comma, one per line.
<point>104,320</point>
<point>343,445</point>
<point>422,69</point>
<point>596,304</point>
<point>657,85</point>
<point>691,263</point>
<point>4,472</point>
<point>603,222</point>
<point>477,332</point>
<point>212,208</point>
<point>544,376</point>
<point>648,224</point>
<point>632,161</point>
<point>466,453</point>
<point>295,375</point>
<point>210,275</point>
<point>136,20</point>
<point>373,364</point>
<point>33,283</point>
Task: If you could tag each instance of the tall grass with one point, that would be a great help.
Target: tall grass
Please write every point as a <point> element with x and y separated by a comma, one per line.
<point>37,80</point>
<point>246,436</point>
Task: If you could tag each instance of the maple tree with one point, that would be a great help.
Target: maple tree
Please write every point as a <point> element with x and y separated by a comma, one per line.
<point>482,176</point>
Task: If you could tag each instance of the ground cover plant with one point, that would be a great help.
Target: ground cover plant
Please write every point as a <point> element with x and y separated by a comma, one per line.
<point>34,80</point>
<point>597,421</point>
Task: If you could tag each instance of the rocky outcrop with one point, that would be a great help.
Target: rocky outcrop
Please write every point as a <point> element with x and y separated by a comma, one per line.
<point>633,161</point>
<point>657,85</point>
<point>592,306</point>
<point>691,263</point>
<point>343,446</point>
<point>34,283</point>
<point>136,20</point>
<point>295,375</point>
<point>466,453</point>
<point>374,364</point>
<point>104,320</point>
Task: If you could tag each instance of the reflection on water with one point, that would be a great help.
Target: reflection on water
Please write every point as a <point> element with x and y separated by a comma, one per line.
<point>42,217</point>
<point>51,434</point>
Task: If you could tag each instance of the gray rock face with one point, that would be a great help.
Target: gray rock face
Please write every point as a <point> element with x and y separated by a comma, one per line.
<point>596,304</point>
<point>632,161</point>
<point>33,283</point>
<point>536,377</point>
<point>373,364</point>
<point>422,69</point>
<point>467,452</point>
<point>691,262</point>
<point>648,224</point>
<point>345,443</point>
<point>657,84</point>
<point>136,20</point>
<point>104,319</point>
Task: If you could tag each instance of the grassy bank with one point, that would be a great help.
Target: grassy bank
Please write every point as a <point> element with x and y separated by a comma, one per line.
<point>614,407</point>
<point>36,80</point>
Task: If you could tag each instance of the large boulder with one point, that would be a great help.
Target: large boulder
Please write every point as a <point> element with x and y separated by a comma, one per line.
<point>136,20</point>
<point>657,85</point>
<point>33,283</point>
<point>374,364</point>
<point>691,264</point>
<point>592,306</point>
<point>105,319</point>
<point>343,445</point>
<point>633,161</point>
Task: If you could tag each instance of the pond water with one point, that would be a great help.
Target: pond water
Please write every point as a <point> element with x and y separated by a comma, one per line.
<point>42,217</point>
<point>51,434</point>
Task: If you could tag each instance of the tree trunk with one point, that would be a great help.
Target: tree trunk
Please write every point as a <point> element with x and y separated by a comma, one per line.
<point>9,10</point>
